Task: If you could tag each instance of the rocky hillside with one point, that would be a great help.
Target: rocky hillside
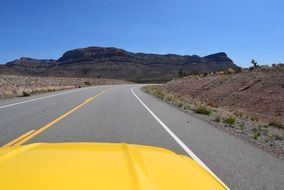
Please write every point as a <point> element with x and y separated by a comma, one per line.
<point>256,93</point>
<point>98,62</point>
<point>248,104</point>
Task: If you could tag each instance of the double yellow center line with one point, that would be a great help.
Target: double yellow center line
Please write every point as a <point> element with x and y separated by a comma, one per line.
<point>29,135</point>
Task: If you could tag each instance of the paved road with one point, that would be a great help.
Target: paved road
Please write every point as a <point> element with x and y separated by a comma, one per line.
<point>118,116</point>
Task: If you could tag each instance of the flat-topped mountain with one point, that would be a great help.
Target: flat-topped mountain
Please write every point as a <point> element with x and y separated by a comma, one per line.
<point>118,64</point>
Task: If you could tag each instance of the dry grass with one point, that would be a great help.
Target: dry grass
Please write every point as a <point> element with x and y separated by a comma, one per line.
<point>11,85</point>
<point>202,110</point>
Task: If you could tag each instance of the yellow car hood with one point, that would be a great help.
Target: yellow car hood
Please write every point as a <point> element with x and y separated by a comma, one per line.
<point>89,166</point>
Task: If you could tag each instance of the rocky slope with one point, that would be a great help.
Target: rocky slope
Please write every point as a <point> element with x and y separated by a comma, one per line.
<point>118,64</point>
<point>248,104</point>
<point>257,93</point>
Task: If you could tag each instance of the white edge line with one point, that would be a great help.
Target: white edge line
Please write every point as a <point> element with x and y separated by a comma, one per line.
<point>44,97</point>
<point>185,148</point>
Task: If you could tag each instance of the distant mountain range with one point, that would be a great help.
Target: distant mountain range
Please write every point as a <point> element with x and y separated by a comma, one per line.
<point>117,63</point>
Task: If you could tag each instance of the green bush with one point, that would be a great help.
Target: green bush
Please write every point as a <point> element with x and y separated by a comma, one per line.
<point>202,110</point>
<point>256,134</point>
<point>230,120</point>
<point>242,127</point>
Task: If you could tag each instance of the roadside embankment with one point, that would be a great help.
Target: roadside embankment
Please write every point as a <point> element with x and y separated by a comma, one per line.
<point>248,104</point>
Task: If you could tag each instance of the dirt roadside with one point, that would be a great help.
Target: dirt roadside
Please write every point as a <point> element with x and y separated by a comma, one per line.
<point>12,85</point>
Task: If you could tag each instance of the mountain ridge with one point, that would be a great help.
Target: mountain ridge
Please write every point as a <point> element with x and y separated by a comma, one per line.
<point>110,62</point>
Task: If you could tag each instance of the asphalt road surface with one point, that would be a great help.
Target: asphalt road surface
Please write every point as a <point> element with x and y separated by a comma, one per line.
<point>124,113</point>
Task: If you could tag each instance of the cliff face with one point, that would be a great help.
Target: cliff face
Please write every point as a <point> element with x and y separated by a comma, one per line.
<point>119,64</point>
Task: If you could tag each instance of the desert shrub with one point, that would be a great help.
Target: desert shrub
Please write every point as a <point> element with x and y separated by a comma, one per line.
<point>242,126</point>
<point>186,106</point>
<point>179,104</point>
<point>25,93</point>
<point>88,83</point>
<point>168,98</point>
<point>256,134</point>
<point>6,94</point>
<point>202,110</point>
<point>254,129</point>
<point>154,91</point>
<point>217,119</point>
<point>50,89</point>
<point>254,119</point>
<point>254,63</point>
<point>212,104</point>
<point>277,137</point>
<point>181,73</point>
<point>268,138</point>
<point>230,120</point>
<point>239,114</point>
<point>276,124</point>
<point>194,73</point>
<point>158,94</point>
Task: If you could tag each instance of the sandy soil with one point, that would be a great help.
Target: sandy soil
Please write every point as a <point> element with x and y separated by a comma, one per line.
<point>11,85</point>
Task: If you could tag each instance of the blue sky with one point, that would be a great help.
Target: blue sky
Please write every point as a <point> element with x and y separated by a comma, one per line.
<point>244,29</point>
